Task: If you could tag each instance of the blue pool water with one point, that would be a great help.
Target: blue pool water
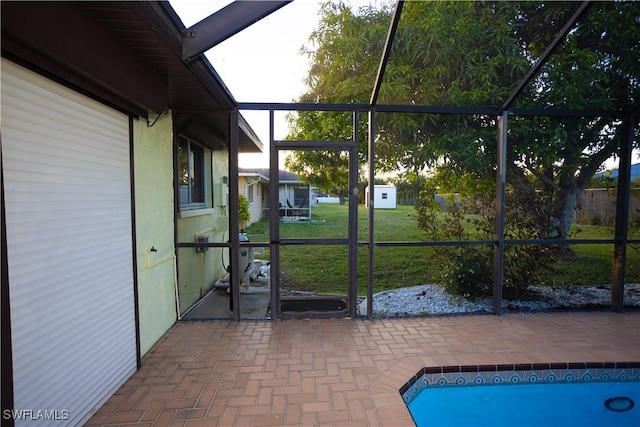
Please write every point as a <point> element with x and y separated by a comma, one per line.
<point>542,404</point>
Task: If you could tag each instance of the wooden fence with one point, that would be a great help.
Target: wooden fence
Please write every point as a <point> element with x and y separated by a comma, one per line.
<point>597,206</point>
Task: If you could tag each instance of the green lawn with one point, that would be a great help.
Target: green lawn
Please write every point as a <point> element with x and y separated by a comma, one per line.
<point>323,269</point>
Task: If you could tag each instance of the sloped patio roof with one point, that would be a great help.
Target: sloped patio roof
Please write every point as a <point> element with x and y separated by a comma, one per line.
<point>284,177</point>
<point>136,64</point>
<point>236,16</point>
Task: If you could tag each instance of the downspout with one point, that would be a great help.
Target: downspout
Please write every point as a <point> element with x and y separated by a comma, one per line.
<point>175,286</point>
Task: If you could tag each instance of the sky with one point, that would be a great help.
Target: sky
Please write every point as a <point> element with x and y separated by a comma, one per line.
<point>262,63</point>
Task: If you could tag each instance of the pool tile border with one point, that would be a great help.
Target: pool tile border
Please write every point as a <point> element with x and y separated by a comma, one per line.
<point>443,376</point>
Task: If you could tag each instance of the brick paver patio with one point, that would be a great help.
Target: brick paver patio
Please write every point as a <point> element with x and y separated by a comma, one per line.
<point>341,372</point>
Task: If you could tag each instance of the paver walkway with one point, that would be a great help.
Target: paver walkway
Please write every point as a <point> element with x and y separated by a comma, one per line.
<point>341,372</point>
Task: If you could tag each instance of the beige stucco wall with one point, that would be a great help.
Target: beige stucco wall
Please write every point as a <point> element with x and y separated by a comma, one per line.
<point>198,271</point>
<point>154,206</point>
<point>255,208</point>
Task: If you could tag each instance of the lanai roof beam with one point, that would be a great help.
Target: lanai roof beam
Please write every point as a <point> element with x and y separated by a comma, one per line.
<point>226,22</point>
<point>545,56</point>
<point>387,51</point>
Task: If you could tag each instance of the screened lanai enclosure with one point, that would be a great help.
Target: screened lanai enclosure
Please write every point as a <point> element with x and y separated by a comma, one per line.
<point>508,110</point>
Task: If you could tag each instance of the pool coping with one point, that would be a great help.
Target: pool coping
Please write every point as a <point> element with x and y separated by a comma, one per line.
<point>461,375</point>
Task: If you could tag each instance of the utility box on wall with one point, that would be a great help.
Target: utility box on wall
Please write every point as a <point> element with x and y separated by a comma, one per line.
<point>384,197</point>
<point>221,195</point>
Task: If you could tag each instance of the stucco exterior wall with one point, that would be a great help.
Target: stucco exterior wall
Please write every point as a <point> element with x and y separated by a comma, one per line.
<point>255,206</point>
<point>198,271</point>
<point>154,205</point>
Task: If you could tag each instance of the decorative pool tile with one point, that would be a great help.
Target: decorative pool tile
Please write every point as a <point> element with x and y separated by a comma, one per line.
<point>518,373</point>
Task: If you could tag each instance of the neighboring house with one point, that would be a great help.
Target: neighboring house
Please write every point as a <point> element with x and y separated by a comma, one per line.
<point>634,173</point>
<point>254,185</point>
<point>294,198</point>
<point>115,151</point>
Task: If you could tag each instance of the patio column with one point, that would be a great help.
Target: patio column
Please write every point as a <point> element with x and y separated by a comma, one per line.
<point>353,220</point>
<point>501,181</point>
<point>274,218</point>
<point>372,159</point>
<point>234,228</point>
<point>622,214</point>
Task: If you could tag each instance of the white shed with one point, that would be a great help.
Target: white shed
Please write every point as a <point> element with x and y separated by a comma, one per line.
<point>384,197</point>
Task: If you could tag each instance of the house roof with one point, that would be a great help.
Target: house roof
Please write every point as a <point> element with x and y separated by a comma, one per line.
<point>129,55</point>
<point>283,176</point>
<point>634,172</point>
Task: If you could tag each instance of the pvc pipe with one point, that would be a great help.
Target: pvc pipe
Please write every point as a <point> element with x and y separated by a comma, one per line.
<point>149,265</point>
<point>175,287</point>
<point>208,230</point>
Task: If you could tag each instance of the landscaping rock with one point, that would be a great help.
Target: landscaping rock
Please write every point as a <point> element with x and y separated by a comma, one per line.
<point>433,299</point>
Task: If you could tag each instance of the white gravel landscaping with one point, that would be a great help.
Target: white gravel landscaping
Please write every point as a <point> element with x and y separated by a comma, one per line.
<point>433,299</point>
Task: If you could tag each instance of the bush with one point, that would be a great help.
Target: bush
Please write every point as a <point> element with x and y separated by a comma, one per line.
<point>595,220</point>
<point>244,215</point>
<point>468,270</point>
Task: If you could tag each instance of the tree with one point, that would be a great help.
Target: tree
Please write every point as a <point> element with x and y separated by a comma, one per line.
<point>326,170</point>
<point>408,185</point>
<point>346,58</point>
<point>475,54</point>
<point>595,68</point>
<point>345,50</point>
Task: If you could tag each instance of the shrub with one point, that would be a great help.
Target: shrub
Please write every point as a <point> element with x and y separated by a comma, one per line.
<point>468,270</point>
<point>244,215</point>
<point>595,220</point>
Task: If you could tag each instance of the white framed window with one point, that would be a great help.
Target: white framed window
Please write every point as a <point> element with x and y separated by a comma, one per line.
<point>250,193</point>
<point>191,173</point>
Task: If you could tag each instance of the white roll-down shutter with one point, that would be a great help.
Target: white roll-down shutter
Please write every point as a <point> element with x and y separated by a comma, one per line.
<point>68,212</point>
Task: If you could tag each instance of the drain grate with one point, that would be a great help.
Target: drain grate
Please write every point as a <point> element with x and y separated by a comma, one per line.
<point>313,304</point>
<point>619,404</point>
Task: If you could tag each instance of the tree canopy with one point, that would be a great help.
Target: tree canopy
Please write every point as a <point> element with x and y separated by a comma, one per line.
<point>474,54</point>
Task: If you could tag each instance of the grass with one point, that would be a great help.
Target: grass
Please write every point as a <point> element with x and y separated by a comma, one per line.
<point>323,269</point>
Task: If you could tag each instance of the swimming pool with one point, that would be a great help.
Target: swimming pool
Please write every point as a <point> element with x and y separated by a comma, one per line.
<point>576,394</point>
